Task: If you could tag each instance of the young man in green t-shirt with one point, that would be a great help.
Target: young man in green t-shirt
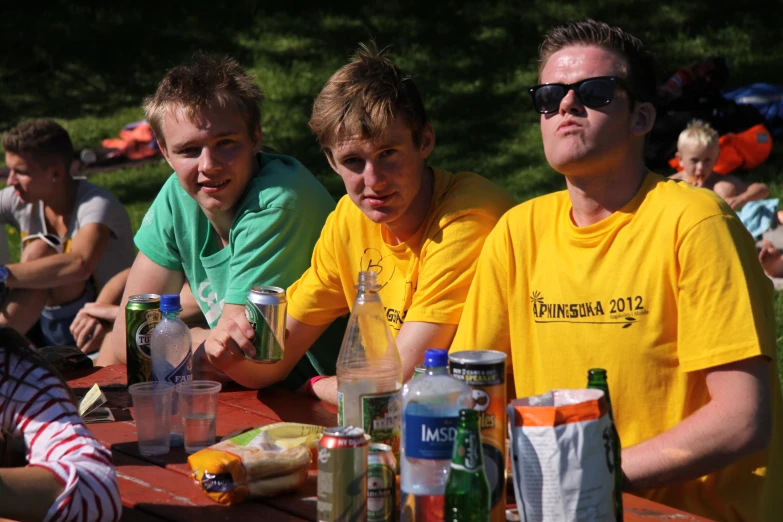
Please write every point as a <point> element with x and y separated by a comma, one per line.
<point>231,217</point>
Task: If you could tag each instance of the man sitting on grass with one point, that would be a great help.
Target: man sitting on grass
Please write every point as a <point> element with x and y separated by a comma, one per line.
<point>420,228</point>
<point>75,235</point>
<point>230,217</point>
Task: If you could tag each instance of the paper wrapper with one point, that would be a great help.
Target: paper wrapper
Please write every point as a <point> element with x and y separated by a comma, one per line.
<point>265,461</point>
<point>562,456</point>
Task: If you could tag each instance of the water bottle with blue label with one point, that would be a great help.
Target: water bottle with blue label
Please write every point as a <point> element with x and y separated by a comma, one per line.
<point>172,356</point>
<point>430,405</point>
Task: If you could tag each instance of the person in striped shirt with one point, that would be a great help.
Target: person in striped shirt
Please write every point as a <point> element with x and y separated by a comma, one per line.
<point>62,472</point>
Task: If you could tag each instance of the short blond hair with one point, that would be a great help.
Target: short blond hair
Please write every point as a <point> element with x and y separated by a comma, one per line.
<point>363,98</point>
<point>206,81</point>
<point>698,133</point>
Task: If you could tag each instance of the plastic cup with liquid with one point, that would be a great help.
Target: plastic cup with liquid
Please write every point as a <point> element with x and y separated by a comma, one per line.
<point>198,405</point>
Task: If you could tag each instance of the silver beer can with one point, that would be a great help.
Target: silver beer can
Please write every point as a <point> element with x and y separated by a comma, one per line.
<point>265,309</point>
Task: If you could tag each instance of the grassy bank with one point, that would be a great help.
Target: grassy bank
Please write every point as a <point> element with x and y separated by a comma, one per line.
<point>90,67</point>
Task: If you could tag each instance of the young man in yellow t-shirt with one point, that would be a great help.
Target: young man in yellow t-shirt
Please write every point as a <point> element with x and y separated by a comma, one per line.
<point>420,228</point>
<point>654,280</point>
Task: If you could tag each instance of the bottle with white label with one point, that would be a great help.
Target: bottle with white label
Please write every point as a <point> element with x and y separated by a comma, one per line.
<point>430,417</point>
<point>171,354</point>
<point>369,369</point>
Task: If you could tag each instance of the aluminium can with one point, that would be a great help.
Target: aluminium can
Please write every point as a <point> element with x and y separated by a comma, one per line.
<point>142,314</point>
<point>485,371</point>
<point>381,484</point>
<point>342,474</point>
<point>265,309</point>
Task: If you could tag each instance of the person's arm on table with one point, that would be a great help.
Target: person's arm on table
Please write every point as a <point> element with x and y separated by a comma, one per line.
<point>736,422</point>
<point>87,247</point>
<point>232,338</point>
<point>27,494</point>
<point>146,277</point>
<point>414,338</point>
<point>70,476</point>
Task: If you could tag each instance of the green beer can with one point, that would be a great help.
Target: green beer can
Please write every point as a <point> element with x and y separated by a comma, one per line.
<point>142,314</point>
<point>265,309</point>
<point>381,484</point>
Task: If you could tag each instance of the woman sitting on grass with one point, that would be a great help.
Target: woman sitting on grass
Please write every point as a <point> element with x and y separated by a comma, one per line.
<point>63,473</point>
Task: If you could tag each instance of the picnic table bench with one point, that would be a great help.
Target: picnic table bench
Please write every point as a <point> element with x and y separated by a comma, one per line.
<point>155,489</point>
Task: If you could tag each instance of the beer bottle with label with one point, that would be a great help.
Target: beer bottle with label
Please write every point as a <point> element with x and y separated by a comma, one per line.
<point>596,379</point>
<point>467,488</point>
<point>369,369</point>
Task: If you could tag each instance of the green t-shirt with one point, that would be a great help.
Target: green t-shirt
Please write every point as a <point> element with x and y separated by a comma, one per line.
<point>271,240</point>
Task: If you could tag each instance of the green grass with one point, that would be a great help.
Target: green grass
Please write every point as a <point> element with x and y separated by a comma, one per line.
<point>90,67</point>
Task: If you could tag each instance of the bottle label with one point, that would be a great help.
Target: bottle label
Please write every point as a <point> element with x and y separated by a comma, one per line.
<point>381,418</point>
<point>468,453</point>
<point>183,372</point>
<point>340,408</point>
<point>429,437</point>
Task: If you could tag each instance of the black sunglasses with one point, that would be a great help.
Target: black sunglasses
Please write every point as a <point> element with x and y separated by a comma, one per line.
<point>591,92</point>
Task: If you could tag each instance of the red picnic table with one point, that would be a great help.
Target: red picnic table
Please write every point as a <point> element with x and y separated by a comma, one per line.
<point>160,488</point>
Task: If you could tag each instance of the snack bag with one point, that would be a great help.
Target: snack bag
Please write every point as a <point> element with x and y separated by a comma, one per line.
<point>265,461</point>
<point>562,456</point>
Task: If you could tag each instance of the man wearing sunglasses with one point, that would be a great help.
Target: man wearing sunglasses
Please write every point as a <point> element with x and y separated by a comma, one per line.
<point>75,236</point>
<point>651,279</point>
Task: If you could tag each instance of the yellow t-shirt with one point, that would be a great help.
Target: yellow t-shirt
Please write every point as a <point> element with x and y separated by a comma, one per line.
<point>423,279</point>
<point>666,286</point>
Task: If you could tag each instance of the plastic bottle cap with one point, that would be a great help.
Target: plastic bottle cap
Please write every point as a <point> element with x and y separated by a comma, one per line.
<point>169,303</point>
<point>434,357</point>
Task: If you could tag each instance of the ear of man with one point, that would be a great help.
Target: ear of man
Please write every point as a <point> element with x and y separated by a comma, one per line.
<point>642,118</point>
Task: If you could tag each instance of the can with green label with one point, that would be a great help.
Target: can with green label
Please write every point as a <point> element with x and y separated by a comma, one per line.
<point>381,484</point>
<point>265,309</point>
<point>142,314</point>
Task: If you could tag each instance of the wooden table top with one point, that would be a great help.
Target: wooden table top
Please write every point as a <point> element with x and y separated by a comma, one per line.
<point>160,488</point>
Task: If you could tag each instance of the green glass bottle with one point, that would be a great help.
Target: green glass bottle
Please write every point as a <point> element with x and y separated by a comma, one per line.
<point>596,379</point>
<point>467,488</point>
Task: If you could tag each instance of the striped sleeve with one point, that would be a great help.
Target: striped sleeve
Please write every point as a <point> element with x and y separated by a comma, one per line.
<point>57,439</point>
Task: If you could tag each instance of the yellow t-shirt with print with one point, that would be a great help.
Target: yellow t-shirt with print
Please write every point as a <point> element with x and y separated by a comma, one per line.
<point>665,287</point>
<point>426,278</point>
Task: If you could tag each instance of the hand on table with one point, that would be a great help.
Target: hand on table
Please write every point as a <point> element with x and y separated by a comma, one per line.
<point>89,326</point>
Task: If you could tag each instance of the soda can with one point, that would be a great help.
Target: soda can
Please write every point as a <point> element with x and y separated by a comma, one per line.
<point>485,371</point>
<point>142,314</point>
<point>265,309</point>
<point>381,484</point>
<point>419,370</point>
<point>342,474</point>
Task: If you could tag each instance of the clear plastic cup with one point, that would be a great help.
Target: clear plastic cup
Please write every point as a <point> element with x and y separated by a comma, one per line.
<point>152,405</point>
<point>198,405</point>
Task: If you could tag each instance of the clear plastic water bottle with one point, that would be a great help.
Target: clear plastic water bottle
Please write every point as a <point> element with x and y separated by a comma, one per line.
<point>369,369</point>
<point>172,356</point>
<point>430,416</point>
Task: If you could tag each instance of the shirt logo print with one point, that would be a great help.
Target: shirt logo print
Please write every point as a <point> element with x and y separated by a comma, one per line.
<point>625,311</point>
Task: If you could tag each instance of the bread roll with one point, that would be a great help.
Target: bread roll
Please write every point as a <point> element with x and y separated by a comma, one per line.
<point>269,487</point>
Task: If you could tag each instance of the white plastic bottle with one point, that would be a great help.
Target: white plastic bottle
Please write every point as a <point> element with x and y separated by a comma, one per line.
<point>430,415</point>
<point>172,356</point>
<point>369,369</point>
